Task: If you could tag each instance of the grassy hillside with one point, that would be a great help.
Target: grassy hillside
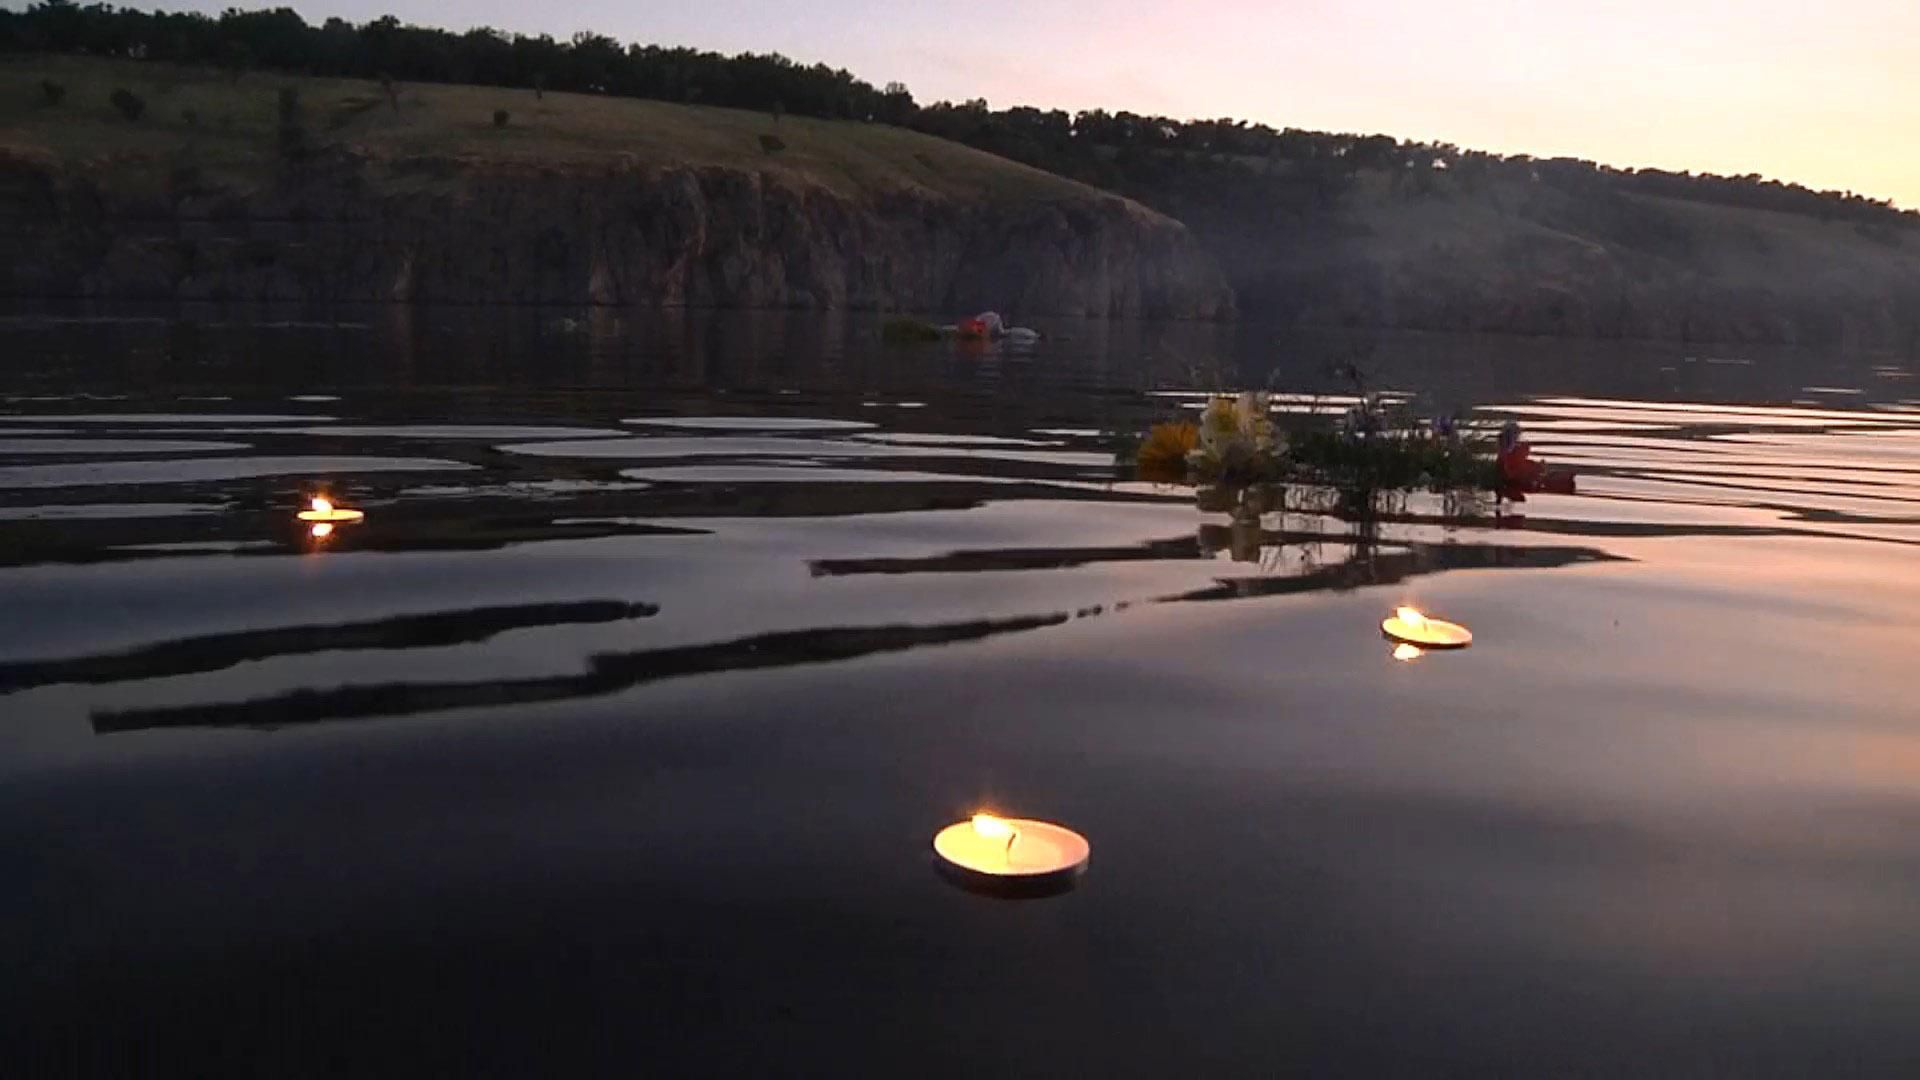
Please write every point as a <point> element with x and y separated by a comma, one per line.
<point>1531,256</point>
<point>1541,228</point>
<point>209,193</point>
<point>1539,252</point>
<point>1384,240</point>
<point>229,128</point>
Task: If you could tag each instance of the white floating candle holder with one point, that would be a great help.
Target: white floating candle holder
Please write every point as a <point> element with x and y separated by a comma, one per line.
<point>1011,856</point>
<point>323,512</point>
<point>1409,626</point>
<point>324,517</point>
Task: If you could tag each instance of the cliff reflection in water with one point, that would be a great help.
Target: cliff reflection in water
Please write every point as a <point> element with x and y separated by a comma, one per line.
<point>666,643</point>
<point>527,361</point>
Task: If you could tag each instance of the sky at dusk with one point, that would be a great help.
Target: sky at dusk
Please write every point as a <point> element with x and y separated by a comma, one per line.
<point>1826,94</point>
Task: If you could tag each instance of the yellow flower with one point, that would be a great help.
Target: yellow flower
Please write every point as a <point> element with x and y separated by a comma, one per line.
<point>1219,426</point>
<point>1163,455</point>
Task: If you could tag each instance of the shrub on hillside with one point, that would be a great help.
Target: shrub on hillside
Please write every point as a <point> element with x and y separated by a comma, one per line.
<point>52,93</point>
<point>128,103</point>
<point>291,133</point>
<point>500,117</point>
<point>772,144</point>
<point>235,58</point>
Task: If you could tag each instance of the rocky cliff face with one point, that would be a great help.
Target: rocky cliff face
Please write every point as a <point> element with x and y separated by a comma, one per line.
<point>346,229</point>
<point>1847,293</point>
<point>1528,259</point>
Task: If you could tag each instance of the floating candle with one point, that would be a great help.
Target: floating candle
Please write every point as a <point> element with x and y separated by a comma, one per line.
<point>1410,627</point>
<point>325,512</point>
<point>1011,856</point>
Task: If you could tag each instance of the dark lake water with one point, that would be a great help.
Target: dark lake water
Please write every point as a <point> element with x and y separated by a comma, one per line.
<point>613,740</point>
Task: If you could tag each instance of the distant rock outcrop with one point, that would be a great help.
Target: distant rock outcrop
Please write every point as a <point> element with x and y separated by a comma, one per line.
<point>1527,258</point>
<point>458,230</point>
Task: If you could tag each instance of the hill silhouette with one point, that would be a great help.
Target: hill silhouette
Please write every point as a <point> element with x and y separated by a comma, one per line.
<point>1310,227</point>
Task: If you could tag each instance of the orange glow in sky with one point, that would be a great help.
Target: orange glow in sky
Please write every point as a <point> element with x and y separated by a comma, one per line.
<point>1824,94</point>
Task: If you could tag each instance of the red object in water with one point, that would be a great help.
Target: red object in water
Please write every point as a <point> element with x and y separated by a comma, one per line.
<point>1523,474</point>
<point>973,328</point>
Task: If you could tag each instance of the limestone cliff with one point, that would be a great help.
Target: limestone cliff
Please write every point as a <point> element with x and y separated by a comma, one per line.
<point>1527,258</point>
<point>461,230</point>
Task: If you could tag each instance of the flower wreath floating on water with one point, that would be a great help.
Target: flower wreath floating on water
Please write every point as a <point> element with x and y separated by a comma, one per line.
<point>1370,449</point>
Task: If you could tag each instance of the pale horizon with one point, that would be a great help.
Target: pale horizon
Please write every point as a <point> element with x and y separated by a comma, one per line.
<point>1819,97</point>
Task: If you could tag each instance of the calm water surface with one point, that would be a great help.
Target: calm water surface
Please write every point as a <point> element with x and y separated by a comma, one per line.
<point>612,741</point>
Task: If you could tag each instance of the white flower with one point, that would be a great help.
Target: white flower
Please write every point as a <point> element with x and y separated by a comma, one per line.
<point>1219,425</point>
<point>1253,413</point>
<point>1235,432</point>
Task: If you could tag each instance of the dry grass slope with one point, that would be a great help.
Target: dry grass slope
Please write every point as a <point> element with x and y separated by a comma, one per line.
<point>233,126</point>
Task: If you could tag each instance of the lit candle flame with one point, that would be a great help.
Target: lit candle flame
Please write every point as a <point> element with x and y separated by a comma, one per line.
<point>1408,626</point>
<point>993,828</point>
<point>990,827</point>
<point>323,512</point>
<point>1404,652</point>
<point>322,531</point>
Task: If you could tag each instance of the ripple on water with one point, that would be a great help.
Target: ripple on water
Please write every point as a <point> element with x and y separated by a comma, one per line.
<point>112,446</point>
<point>107,511</point>
<point>644,448</point>
<point>161,418</point>
<point>1690,413</point>
<point>520,489</point>
<point>770,446</point>
<point>440,431</point>
<point>801,474</point>
<point>1843,449</point>
<point>64,397</point>
<point>201,470</point>
<point>1642,692</point>
<point>199,547</point>
<point>750,423</point>
<point>908,438</point>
